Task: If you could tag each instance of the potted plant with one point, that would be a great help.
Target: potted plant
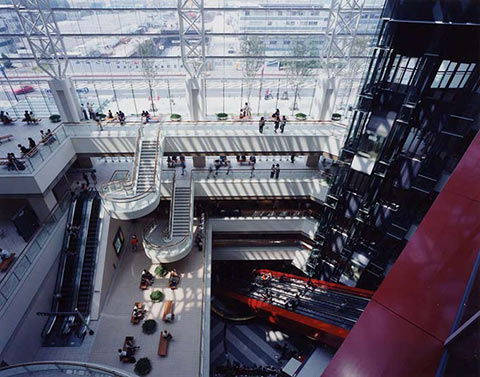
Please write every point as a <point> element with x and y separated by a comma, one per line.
<point>300,116</point>
<point>222,116</point>
<point>149,326</point>
<point>160,271</point>
<point>143,366</point>
<point>102,116</point>
<point>157,296</point>
<point>336,116</point>
<point>54,118</point>
<point>176,117</point>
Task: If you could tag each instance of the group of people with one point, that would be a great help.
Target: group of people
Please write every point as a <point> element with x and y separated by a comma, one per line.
<point>119,115</point>
<point>126,354</point>
<point>6,118</point>
<point>245,112</point>
<point>14,163</point>
<point>278,123</point>
<point>84,186</point>
<point>145,116</point>
<point>31,145</point>
<point>173,161</point>
<point>147,278</point>
<point>30,118</point>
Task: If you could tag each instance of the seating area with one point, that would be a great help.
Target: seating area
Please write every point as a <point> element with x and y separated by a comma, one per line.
<point>138,313</point>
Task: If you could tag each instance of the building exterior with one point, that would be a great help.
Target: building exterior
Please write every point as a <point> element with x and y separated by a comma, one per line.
<point>416,115</point>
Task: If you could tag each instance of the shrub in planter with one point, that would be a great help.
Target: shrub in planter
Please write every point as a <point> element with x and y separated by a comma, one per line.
<point>157,296</point>
<point>336,116</point>
<point>300,116</point>
<point>149,326</point>
<point>143,366</point>
<point>176,117</point>
<point>160,271</point>
<point>54,118</point>
<point>222,116</point>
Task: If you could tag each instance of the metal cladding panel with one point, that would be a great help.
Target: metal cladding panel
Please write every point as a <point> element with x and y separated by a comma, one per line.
<point>383,344</point>
<point>403,328</point>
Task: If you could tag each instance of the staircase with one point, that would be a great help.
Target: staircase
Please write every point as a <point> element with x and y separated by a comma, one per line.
<point>88,268</point>
<point>181,210</point>
<point>146,169</point>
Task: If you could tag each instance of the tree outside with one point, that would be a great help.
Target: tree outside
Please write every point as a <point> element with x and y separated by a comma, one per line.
<point>300,71</point>
<point>252,46</point>
<point>148,48</point>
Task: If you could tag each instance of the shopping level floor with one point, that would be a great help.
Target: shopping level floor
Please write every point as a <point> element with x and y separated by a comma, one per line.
<point>114,323</point>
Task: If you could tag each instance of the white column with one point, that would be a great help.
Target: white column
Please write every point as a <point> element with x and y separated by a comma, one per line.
<point>44,205</point>
<point>325,96</point>
<point>195,98</point>
<point>66,99</point>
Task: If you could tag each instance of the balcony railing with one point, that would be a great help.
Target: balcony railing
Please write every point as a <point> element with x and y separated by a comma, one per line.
<point>30,253</point>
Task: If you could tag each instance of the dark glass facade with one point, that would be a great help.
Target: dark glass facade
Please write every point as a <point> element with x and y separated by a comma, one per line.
<point>416,115</point>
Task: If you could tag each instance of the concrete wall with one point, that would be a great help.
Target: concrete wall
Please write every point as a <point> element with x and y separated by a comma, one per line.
<point>30,290</point>
<point>26,340</point>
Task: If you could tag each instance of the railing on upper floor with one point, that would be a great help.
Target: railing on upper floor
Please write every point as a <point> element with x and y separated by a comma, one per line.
<point>63,367</point>
<point>27,257</point>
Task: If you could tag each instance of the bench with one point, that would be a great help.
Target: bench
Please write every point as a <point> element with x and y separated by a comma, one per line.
<point>163,346</point>
<point>5,138</point>
<point>5,263</point>
<point>173,281</point>
<point>128,359</point>
<point>167,309</point>
<point>136,319</point>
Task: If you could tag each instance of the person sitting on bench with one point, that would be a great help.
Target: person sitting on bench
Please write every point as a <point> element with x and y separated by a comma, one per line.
<point>166,335</point>
<point>126,356</point>
<point>5,118</point>
<point>147,276</point>
<point>131,348</point>
<point>5,254</point>
<point>169,317</point>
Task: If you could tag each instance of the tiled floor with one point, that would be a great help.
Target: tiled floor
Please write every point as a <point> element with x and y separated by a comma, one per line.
<point>114,323</point>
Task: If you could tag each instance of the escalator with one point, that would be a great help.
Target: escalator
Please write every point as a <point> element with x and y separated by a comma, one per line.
<point>75,274</point>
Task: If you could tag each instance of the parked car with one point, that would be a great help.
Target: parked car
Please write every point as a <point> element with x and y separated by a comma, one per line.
<point>24,89</point>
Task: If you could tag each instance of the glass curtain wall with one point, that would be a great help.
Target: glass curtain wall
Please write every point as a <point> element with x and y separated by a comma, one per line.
<point>125,54</point>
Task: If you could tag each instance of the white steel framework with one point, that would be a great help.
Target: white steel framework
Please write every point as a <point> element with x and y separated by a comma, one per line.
<point>192,36</point>
<point>341,34</point>
<point>43,36</point>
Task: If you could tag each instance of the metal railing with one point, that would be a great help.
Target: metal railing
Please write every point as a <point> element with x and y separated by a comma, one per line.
<point>62,367</point>
<point>178,246</point>
<point>284,174</point>
<point>18,271</point>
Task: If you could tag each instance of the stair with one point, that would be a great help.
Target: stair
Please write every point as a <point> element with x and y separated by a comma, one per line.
<point>181,211</point>
<point>88,269</point>
<point>145,175</point>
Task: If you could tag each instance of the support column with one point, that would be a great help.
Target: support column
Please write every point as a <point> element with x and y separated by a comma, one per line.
<point>66,99</point>
<point>44,205</point>
<point>195,98</point>
<point>325,96</point>
<point>199,161</point>
<point>313,159</point>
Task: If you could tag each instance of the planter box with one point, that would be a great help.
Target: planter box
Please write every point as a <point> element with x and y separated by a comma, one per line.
<point>176,119</point>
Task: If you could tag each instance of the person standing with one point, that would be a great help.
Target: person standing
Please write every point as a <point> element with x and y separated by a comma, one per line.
<point>85,177</point>
<point>93,175</point>
<point>229,167</point>
<point>282,124</point>
<point>277,123</point>
<point>292,158</point>
<point>90,111</point>
<point>276,114</point>
<point>252,170</point>
<point>277,171</point>
<point>272,171</point>
<point>85,115</point>
<point>27,117</point>
<point>99,121</point>
<point>217,166</point>
<point>182,163</point>
<point>210,170</point>
<point>261,124</point>
<point>246,111</point>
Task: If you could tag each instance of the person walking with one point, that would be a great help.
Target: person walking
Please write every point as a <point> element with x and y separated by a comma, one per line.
<point>182,164</point>
<point>252,170</point>
<point>27,117</point>
<point>90,111</point>
<point>93,175</point>
<point>277,171</point>
<point>134,242</point>
<point>282,124</point>
<point>277,123</point>
<point>84,112</point>
<point>85,177</point>
<point>217,166</point>
<point>246,111</point>
<point>31,143</point>
<point>261,124</point>
<point>99,121</point>
<point>292,158</point>
<point>272,171</point>
<point>210,170</point>
<point>229,167</point>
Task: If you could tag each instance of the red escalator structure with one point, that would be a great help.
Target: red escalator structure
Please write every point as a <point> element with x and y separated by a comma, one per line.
<point>323,311</point>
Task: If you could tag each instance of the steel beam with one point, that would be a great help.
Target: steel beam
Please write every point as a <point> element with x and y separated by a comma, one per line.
<point>43,36</point>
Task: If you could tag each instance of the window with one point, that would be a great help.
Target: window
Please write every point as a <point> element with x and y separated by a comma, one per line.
<point>273,42</point>
<point>452,75</point>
